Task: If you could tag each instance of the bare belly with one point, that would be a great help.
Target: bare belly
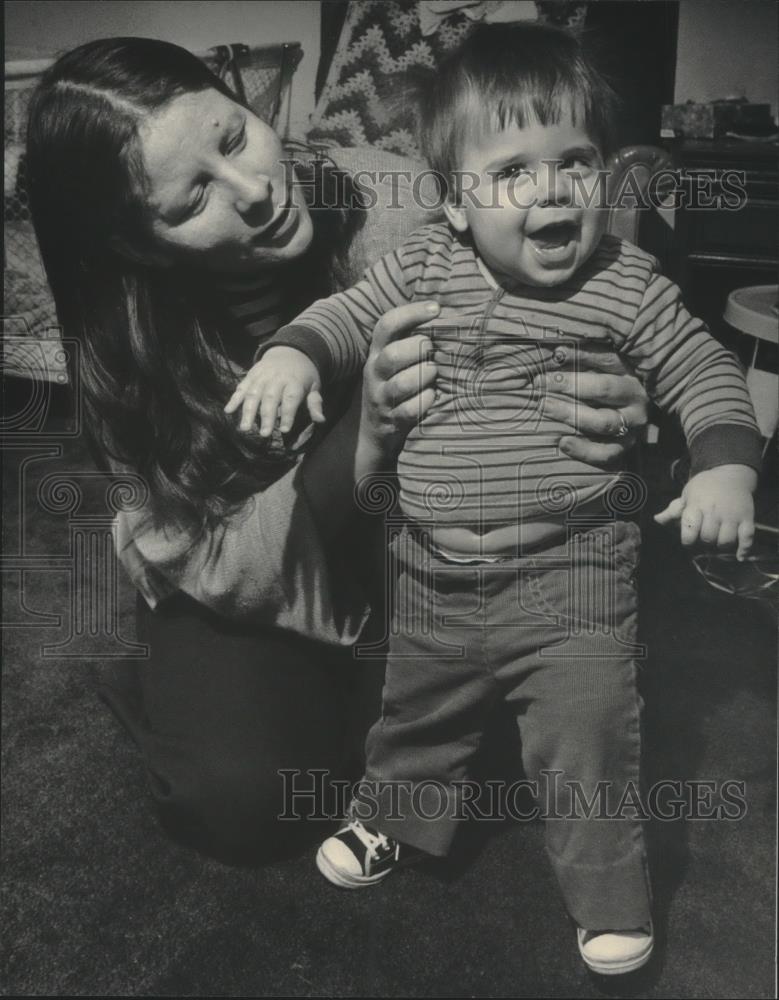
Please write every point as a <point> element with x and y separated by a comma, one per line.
<point>504,540</point>
<point>516,539</point>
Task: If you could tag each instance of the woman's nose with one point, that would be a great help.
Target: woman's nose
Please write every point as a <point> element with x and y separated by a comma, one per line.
<point>251,191</point>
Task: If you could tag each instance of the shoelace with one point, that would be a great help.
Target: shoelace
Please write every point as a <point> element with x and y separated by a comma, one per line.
<point>372,841</point>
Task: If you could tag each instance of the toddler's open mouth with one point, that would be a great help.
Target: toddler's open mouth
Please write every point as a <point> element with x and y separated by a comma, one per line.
<point>555,240</point>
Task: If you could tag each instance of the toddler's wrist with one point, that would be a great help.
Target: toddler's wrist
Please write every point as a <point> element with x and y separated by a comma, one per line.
<point>744,475</point>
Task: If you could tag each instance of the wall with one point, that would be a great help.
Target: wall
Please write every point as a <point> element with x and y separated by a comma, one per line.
<point>43,27</point>
<point>725,46</point>
<point>728,47</point>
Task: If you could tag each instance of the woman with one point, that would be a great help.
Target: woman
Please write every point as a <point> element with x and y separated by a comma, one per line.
<point>171,229</point>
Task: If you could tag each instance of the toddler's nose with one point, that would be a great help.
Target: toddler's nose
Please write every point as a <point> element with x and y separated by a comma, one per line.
<point>554,184</point>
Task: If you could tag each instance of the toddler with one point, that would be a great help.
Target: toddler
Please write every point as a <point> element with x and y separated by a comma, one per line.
<point>516,564</point>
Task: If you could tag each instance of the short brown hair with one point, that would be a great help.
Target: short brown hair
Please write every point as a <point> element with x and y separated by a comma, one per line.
<point>510,74</point>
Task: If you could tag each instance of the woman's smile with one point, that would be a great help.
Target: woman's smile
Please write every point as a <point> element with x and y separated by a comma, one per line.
<point>283,224</point>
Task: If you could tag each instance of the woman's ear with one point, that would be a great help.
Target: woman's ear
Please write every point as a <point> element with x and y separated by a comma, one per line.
<point>455,214</point>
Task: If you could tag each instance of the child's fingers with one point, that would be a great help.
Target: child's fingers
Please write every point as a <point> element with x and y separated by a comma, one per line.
<point>672,512</point>
<point>728,535</point>
<point>248,413</point>
<point>291,399</point>
<point>269,408</point>
<point>315,407</point>
<point>692,519</point>
<point>746,535</point>
<point>235,400</point>
<point>709,527</point>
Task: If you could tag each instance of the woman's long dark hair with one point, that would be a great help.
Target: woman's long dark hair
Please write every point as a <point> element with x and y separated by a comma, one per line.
<point>152,374</point>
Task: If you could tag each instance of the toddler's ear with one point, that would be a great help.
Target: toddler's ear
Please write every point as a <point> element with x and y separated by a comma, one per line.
<point>455,214</point>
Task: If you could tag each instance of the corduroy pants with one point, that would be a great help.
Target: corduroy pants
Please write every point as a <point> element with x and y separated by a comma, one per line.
<point>554,635</point>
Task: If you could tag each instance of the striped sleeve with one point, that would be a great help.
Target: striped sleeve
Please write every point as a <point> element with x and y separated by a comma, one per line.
<point>336,332</point>
<point>687,372</point>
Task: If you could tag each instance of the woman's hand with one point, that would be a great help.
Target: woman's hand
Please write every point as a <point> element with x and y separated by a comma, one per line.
<point>398,377</point>
<point>602,401</point>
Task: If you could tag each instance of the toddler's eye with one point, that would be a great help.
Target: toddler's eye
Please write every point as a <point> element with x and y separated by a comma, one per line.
<point>510,171</point>
<point>577,162</point>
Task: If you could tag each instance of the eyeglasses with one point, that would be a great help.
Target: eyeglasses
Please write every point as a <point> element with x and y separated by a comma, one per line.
<point>753,577</point>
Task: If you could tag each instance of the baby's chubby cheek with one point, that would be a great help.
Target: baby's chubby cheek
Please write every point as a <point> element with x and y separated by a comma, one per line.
<point>594,226</point>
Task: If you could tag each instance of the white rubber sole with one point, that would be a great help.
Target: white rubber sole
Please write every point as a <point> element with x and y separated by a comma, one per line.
<point>618,967</point>
<point>345,880</point>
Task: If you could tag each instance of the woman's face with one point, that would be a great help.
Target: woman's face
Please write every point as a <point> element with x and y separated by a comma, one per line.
<point>217,192</point>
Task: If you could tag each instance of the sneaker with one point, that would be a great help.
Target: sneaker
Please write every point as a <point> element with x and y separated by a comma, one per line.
<point>613,953</point>
<point>358,856</point>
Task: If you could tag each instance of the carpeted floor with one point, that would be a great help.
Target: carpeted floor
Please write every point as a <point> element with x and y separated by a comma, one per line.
<point>96,900</point>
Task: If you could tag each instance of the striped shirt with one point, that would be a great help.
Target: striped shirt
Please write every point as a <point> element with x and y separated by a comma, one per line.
<point>485,453</point>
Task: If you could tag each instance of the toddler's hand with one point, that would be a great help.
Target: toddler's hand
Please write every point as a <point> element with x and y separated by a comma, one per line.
<point>276,386</point>
<point>716,506</point>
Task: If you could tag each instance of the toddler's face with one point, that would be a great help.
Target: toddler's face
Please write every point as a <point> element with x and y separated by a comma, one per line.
<point>528,209</point>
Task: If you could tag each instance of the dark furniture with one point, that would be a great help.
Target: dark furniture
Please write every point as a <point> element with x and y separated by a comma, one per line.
<point>715,250</point>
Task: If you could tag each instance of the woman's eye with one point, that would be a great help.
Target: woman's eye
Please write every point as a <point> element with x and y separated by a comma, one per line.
<point>198,203</point>
<point>237,141</point>
<point>576,163</point>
